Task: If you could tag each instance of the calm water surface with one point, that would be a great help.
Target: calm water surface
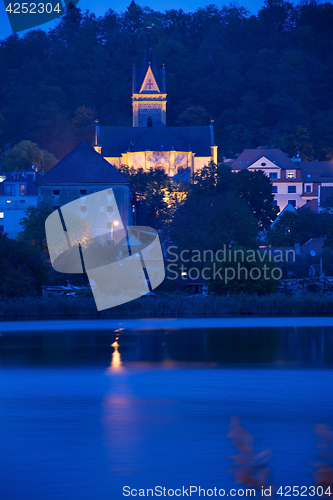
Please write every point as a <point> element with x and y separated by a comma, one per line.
<point>80,419</point>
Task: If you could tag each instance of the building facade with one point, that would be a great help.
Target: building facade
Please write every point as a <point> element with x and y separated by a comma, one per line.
<point>294,182</point>
<point>17,193</point>
<point>83,172</point>
<point>178,151</point>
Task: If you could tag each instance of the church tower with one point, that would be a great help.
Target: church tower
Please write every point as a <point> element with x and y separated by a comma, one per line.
<point>148,94</point>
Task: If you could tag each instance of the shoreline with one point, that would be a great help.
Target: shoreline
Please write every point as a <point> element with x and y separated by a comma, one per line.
<point>147,324</point>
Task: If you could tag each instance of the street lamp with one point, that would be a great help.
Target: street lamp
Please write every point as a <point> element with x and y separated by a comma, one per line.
<point>115,223</point>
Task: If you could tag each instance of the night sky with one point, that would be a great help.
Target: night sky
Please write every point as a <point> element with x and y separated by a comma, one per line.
<point>100,7</point>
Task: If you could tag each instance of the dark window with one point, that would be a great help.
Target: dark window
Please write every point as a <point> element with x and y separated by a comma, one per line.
<point>291,189</point>
<point>22,201</point>
<point>83,191</point>
<point>292,202</point>
<point>273,175</point>
<point>56,192</point>
<point>308,189</point>
<point>274,189</point>
<point>109,208</point>
<point>22,189</point>
<point>263,164</point>
<point>149,121</point>
<point>83,210</point>
<point>1,229</point>
<point>55,207</point>
<point>110,191</point>
<point>10,189</point>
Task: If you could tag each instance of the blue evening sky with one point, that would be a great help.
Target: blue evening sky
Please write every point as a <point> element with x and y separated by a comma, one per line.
<point>99,8</point>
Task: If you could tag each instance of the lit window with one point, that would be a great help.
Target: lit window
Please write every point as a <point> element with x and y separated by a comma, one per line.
<point>308,188</point>
<point>274,189</point>
<point>2,215</point>
<point>292,202</point>
<point>22,190</point>
<point>290,175</point>
<point>291,189</point>
<point>273,175</point>
<point>83,210</point>
<point>9,201</point>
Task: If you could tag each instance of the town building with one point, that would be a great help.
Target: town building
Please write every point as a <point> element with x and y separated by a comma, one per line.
<point>17,193</point>
<point>83,172</point>
<point>295,183</point>
<point>149,143</point>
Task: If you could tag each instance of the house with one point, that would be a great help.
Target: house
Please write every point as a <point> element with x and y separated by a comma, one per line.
<point>285,174</point>
<point>83,172</point>
<point>294,182</point>
<point>149,143</point>
<point>17,193</point>
<point>325,198</point>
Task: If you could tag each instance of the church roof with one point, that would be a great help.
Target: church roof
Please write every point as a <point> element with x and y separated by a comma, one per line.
<point>118,140</point>
<point>83,166</point>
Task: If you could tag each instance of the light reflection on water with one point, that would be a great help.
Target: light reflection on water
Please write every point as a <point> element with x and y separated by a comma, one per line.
<point>84,414</point>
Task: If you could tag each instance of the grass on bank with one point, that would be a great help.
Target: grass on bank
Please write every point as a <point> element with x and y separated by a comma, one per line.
<point>170,306</point>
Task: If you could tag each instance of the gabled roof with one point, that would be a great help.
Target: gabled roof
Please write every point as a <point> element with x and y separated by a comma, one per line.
<point>317,171</point>
<point>118,140</point>
<point>83,166</point>
<point>276,156</point>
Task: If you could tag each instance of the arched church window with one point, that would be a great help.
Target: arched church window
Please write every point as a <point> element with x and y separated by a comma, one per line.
<point>180,170</point>
<point>149,121</point>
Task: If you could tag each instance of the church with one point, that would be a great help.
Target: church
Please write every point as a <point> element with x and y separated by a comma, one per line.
<point>149,143</point>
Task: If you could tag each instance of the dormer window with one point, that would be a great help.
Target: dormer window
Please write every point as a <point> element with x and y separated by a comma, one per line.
<point>291,174</point>
<point>240,162</point>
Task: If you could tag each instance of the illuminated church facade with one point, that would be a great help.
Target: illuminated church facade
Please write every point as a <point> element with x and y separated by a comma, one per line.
<point>149,143</point>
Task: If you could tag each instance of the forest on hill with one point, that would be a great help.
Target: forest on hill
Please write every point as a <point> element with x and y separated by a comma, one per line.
<point>265,79</point>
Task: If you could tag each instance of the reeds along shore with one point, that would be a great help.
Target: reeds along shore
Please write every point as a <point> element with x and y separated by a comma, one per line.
<point>170,306</point>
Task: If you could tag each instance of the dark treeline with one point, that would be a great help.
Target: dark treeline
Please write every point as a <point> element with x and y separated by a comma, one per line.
<point>265,79</point>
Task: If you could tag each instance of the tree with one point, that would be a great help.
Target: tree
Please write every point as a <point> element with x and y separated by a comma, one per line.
<point>241,274</point>
<point>160,196</point>
<point>209,221</point>
<point>193,115</point>
<point>21,267</point>
<point>24,155</point>
<point>255,188</point>
<point>34,227</point>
